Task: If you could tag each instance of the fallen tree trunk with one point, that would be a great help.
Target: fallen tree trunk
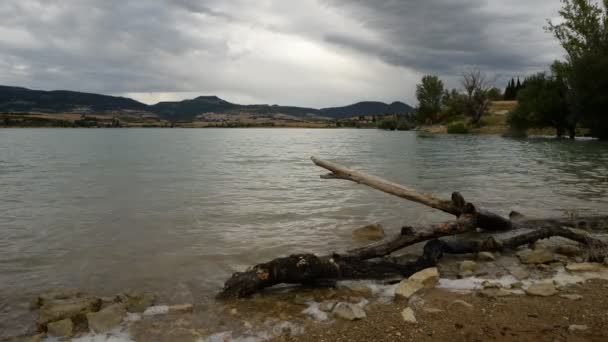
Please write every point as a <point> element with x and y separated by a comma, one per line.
<point>309,268</point>
<point>358,263</point>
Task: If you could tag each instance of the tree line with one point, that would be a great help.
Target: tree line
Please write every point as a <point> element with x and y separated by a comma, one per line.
<point>436,104</point>
<point>573,94</point>
<point>575,91</point>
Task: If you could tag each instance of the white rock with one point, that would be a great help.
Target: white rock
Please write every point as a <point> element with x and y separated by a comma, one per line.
<point>462,303</point>
<point>428,277</point>
<point>349,311</point>
<point>571,296</point>
<point>485,256</point>
<point>543,289</point>
<point>408,315</point>
<point>156,310</point>
<point>468,265</point>
<point>536,256</point>
<point>407,288</point>
<point>576,327</point>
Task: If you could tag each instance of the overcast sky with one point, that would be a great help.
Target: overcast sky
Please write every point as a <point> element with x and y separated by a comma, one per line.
<point>307,52</point>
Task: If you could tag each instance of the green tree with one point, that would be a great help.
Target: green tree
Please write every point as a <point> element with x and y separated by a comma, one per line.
<point>583,33</point>
<point>542,103</point>
<point>495,94</point>
<point>429,94</point>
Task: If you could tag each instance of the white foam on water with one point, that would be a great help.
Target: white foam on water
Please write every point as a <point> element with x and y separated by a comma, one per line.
<point>157,310</point>
<point>473,283</point>
<point>563,277</point>
<point>314,311</point>
<point>378,290</point>
<point>132,317</point>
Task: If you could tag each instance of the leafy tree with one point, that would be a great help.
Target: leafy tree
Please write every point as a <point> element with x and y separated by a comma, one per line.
<point>583,33</point>
<point>543,103</point>
<point>454,105</point>
<point>429,93</point>
<point>495,94</point>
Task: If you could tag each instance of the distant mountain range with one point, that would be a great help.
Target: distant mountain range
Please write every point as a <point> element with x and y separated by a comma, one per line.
<point>23,100</point>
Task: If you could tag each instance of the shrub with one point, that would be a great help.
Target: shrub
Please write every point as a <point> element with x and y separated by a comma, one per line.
<point>458,128</point>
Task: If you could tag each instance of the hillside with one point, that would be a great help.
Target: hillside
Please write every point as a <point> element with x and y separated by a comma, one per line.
<point>15,99</point>
<point>23,100</point>
<point>366,109</point>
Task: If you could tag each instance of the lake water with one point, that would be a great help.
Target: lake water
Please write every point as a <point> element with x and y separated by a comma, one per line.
<point>176,211</point>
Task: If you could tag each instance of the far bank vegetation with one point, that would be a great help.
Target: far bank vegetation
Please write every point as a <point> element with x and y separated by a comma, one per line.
<point>568,100</point>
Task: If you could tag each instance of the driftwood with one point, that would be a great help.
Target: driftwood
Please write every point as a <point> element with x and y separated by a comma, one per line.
<point>367,262</point>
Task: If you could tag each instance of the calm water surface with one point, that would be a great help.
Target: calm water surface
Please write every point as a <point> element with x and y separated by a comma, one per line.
<point>176,211</point>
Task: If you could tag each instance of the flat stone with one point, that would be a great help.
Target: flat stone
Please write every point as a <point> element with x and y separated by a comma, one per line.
<point>428,277</point>
<point>407,288</point>
<point>544,289</point>
<point>408,316</point>
<point>465,274</point>
<point>568,250</point>
<point>73,308</point>
<point>137,301</point>
<point>362,290</point>
<point>537,256</point>
<point>348,311</point>
<point>571,296</point>
<point>462,303</point>
<point>372,232</point>
<point>57,294</point>
<point>485,256</point>
<point>519,273</point>
<point>181,308</point>
<point>108,318</point>
<point>491,285</point>
<point>584,267</point>
<point>494,293</point>
<point>576,327</point>
<point>63,328</point>
<point>468,265</point>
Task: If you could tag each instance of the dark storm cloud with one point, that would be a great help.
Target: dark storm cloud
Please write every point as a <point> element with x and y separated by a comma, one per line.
<point>443,36</point>
<point>314,52</point>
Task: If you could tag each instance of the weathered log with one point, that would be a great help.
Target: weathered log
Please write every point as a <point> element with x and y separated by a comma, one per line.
<point>457,206</point>
<point>357,263</point>
<point>598,248</point>
<point>309,268</point>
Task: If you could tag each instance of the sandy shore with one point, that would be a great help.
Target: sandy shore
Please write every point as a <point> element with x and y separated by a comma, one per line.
<point>513,318</point>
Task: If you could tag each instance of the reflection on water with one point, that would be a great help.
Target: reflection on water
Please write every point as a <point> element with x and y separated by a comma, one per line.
<point>176,211</point>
